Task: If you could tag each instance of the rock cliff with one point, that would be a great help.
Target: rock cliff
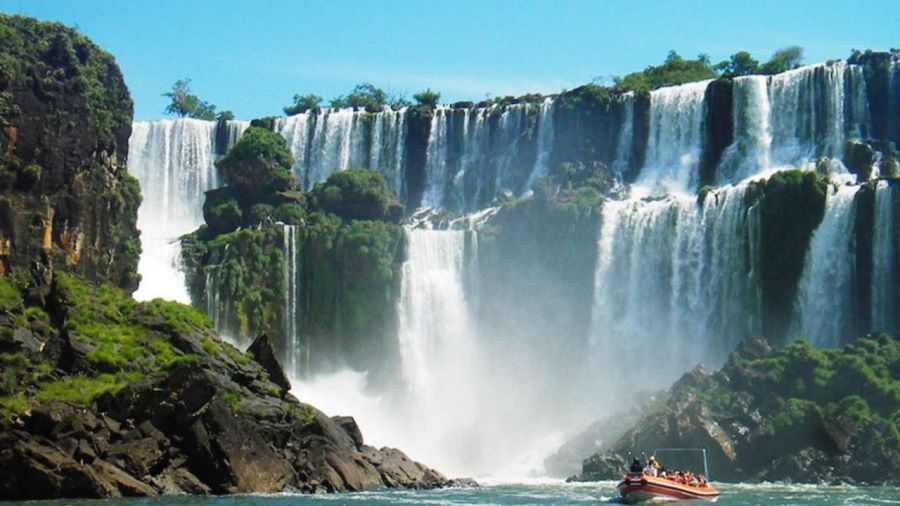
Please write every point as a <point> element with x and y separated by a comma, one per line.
<point>65,119</point>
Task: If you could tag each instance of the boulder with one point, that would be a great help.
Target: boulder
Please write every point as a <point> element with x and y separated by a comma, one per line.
<point>264,353</point>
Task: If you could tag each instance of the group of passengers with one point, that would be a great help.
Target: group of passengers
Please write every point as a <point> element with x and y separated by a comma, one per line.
<point>655,469</point>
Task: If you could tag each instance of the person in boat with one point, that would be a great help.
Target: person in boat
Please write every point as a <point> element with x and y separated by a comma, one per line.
<point>654,464</point>
<point>636,466</point>
<point>649,470</point>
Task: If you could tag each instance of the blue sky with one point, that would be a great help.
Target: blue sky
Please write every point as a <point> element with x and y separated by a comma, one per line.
<point>253,56</point>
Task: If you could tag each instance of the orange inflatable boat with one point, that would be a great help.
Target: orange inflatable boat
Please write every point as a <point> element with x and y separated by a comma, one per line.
<point>636,488</point>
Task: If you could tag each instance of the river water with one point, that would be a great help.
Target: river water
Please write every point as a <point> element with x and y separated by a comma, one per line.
<point>531,493</point>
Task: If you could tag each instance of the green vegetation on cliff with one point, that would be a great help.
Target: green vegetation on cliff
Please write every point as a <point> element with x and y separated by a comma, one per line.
<point>742,63</point>
<point>58,59</point>
<point>259,185</point>
<point>86,341</point>
<point>791,206</point>
<point>345,241</point>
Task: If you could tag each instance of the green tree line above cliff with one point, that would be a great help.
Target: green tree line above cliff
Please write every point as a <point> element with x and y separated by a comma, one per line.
<point>674,70</point>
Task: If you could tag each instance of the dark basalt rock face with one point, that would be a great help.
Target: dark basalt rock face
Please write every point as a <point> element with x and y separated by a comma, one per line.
<point>718,127</point>
<point>187,413</point>
<point>587,123</point>
<point>65,119</point>
<point>418,129</point>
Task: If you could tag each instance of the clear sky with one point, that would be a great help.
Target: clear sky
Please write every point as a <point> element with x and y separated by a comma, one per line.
<point>253,56</point>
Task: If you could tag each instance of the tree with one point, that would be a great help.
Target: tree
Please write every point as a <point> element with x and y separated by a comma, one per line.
<point>365,96</point>
<point>304,103</point>
<point>675,70</point>
<point>739,64</point>
<point>225,115</point>
<point>427,97</point>
<point>784,59</point>
<point>186,104</point>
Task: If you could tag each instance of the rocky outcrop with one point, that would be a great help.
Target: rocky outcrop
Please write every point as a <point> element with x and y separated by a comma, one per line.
<point>103,397</point>
<point>264,353</point>
<point>568,461</point>
<point>65,119</point>
<point>794,413</point>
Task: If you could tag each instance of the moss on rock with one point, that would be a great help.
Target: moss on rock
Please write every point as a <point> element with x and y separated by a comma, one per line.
<point>792,204</point>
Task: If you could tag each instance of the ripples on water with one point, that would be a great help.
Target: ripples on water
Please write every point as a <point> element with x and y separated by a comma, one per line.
<point>531,493</point>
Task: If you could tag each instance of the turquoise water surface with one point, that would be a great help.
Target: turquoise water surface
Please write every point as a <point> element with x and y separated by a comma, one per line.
<point>537,493</point>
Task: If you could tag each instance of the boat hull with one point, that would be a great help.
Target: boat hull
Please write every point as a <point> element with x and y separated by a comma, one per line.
<point>635,489</point>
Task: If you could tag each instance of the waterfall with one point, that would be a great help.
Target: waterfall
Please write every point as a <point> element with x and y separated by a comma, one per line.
<point>173,161</point>
<point>748,155</point>
<point>545,143</point>
<point>297,353</point>
<point>807,109</point>
<point>436,159</point>
<point>826,294</point>
<point>473,155</point>
<point>234,129</point>
<point>336,139</point>
<point>673,148</point>
<point>793,119</point>
<point>674,282</point>
<point>387,147</point>
<point>885,275</point>
<point>626,136</point>
<point>437,343</point>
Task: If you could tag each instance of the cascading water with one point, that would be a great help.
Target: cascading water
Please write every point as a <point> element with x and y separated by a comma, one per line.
<point>173,160</point>
<point>673,148</point>
<point>885,275</point>
<point>437,342</point>
<point>748,155</point>
<point>475,154</point>
<point>626,136</point>
<point>793,119</point>
<point>826,294</point>
<point>436,158</point>
<point>296,351</point>
<point>337,139</point>
<point>546,134</point>
<point>674,283</point>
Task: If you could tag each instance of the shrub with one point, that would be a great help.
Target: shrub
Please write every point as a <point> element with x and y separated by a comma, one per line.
<point>303,103</point>
<point>259,164</point>
<point>356,194</point>
<point>222,211</point>
<point>427,97</point>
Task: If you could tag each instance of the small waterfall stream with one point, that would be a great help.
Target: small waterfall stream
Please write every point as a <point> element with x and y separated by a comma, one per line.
<point>826,295</point>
